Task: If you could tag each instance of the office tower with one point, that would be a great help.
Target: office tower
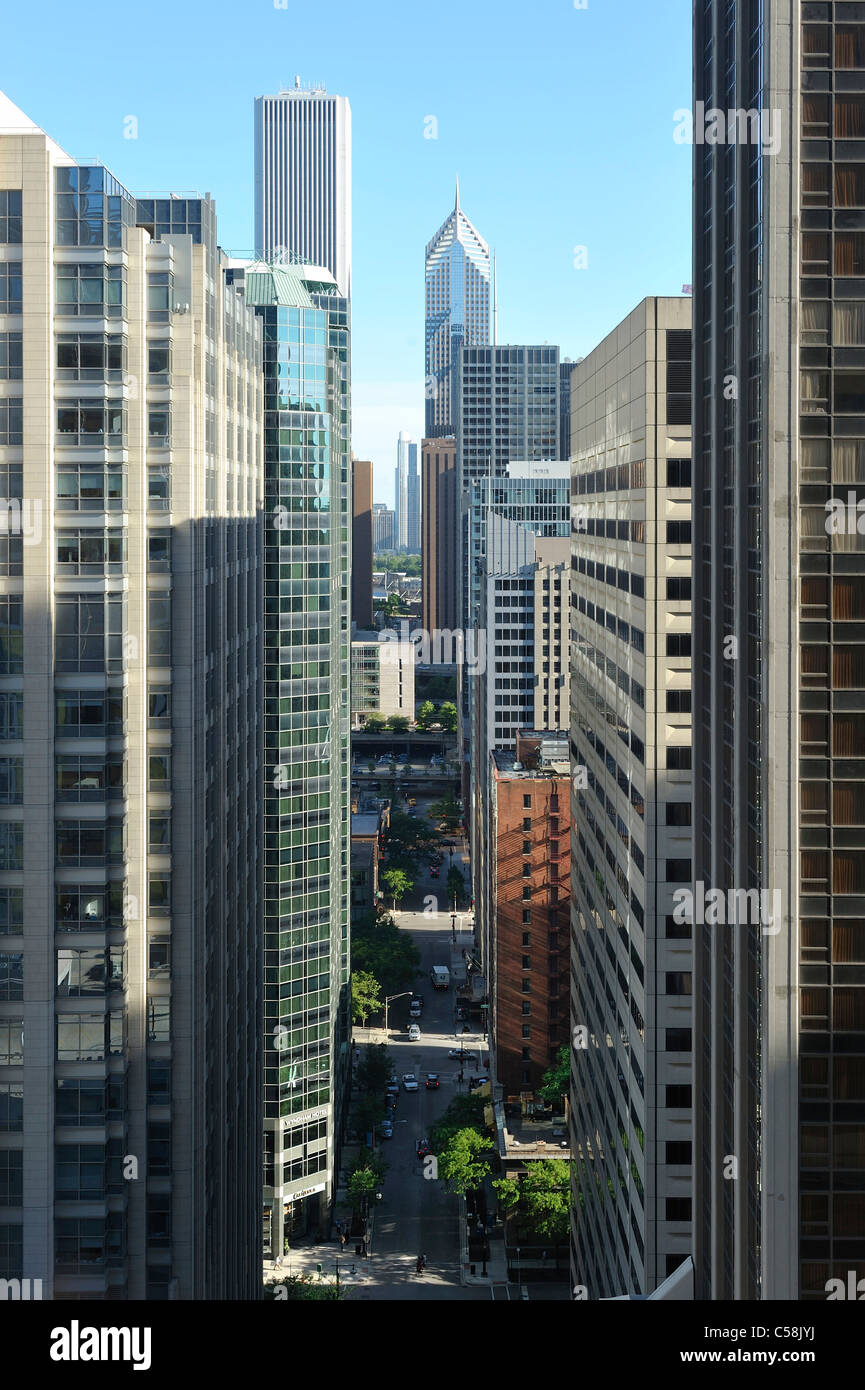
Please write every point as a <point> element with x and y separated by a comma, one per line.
<point>407,497</point>
<point>439,532</point>
<point>306,833</point>
<point>504,662</point>
<point>457,312</point>
<point>631,991</point>
<point>779,295</point>
<point>382,675</point>
<point>303,180</point>
<point>361,543</point>
<point>565,369</point>
<point>130,1012</point>
<point>527,824</point>
<point>507,408</point>
<point>534,494</point>
<point>383,521</point>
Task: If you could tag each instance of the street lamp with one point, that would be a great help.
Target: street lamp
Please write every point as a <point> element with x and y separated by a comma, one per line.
<point>388,999</point>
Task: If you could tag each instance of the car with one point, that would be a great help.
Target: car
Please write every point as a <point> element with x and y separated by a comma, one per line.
<point>413,1033</point>
<point>432,1081</point>
<point>457,1054</point>
<point>390,1100</point>
<point>414,1009</point>
<point>422,1148</point>
<point>434,873</point>
<point>409,1081</point>
<point>412,801</point>
<point>392,1087</point>
<point>386,1129</point>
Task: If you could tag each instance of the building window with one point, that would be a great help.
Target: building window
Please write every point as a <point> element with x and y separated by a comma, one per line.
<point>677,1097</point>
<point>11,1107</point>
<point>11,975</point>
<point>677,1209</point>
<point>11,1042</point>
<point>526,1030</point>
<point>11,1177</point>
<point>677,982</point>
<point>10,217</point>
<point>677,1040</point>
<point>11,358</point>
<point>10,287</point>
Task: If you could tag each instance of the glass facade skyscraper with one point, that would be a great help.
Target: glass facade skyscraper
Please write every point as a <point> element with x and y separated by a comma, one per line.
<point>306,723</point>
<point>457,312</point>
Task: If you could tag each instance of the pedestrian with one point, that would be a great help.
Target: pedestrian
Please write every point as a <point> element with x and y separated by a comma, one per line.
<point>342,1237</point>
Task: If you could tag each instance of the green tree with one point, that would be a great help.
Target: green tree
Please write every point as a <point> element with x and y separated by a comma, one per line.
<point>398,884</point>
<point>425,714</point>
<point>456,884</point>
<point>449,811</point>
<point>460,1162</point>
<point>375,723</point>
<point>374,1068</point>
<point>365,996</point>
<point>554,1086</point>
<point>381,947</point>
<point>304,1286</point>
<point>540,1200</point>
<point>398,723</point>
<point>464,1112</point>
<point>447,716</point>
<point>408,836</point>
<point>361,1185</point>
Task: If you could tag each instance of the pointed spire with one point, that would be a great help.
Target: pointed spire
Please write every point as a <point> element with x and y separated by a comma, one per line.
<point>457,201</point>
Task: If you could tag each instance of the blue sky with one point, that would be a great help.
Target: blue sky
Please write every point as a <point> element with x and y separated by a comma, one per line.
<point>558,120</point>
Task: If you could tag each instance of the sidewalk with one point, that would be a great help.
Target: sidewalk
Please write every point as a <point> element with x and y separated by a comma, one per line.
<point>497,1268</point>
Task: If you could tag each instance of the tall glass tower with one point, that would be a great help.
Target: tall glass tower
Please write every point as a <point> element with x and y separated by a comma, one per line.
<point>306,454</point>
<point>457,311</point>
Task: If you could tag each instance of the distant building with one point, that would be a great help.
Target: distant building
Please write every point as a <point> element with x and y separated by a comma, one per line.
<point>528,828</point>
<point>457,311</point>
<point>382,675</point>
<point>361,542</point>
<point>565,369</point>
<point>383,520</point>
<point>439,533</point>
<point>407,495</point>
<point>303,180</point>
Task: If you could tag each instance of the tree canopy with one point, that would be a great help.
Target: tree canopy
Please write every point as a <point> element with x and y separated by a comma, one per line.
<point>365,996</point>
<point>379,947</point>
<point>557,1079</point>
<point>540,1199</point>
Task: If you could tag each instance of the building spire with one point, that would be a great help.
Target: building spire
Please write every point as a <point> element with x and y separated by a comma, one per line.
<point>457,201</point>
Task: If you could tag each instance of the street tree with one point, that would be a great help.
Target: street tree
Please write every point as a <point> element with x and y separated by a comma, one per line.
<point>379,946</point>
<point>398,723</point>
<point>374,1068</point>
<point>425,714</point>
<point>556,1081</point>
<point>375,723</point>
<point>447,716</point>
<point>540,1200</point>
<point>361,1185</point>
<point>365,996</point>
<point>456,884</point>
<point>461,1162</point>
<point>398,885</point>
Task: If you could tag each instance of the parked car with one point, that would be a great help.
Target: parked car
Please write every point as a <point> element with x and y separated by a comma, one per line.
<point>432,1081</point>
<point>390,1100</point>
<point>386,1129</point>
<point>475,1081</point>
<point>392,1087</point>
<point>414,1009</point>
<point>413,1033</point>
<point>409,1081</point>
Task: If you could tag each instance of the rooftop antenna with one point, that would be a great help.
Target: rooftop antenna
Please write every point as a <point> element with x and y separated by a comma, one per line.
<point>457,200</point>
<point>297,83</point>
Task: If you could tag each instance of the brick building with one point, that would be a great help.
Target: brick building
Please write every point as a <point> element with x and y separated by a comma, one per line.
<point>529,888</point>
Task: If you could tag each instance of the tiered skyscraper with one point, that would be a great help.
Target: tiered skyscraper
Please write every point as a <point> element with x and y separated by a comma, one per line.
<point>457,265</point>
<point>130,667</point>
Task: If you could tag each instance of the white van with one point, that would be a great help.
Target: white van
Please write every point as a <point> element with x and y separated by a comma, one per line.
<point>440,976</point>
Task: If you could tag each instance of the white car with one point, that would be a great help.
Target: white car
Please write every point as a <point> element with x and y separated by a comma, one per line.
<point>413,1033</point>
<point>409,1081</point>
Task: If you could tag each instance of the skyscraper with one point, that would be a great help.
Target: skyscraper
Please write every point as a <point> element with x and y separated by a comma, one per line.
<point>779,665</point>
<point>631,958</point>
<point>306,830</point>
<point>130,716</point>
<point>457,299</point>
<point>361,542</point>
<point>439,531</point>
<point>407,496</point>
<point>303,179</point>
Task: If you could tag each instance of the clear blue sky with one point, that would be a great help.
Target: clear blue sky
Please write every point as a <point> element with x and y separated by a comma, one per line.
<point>558,121</point>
